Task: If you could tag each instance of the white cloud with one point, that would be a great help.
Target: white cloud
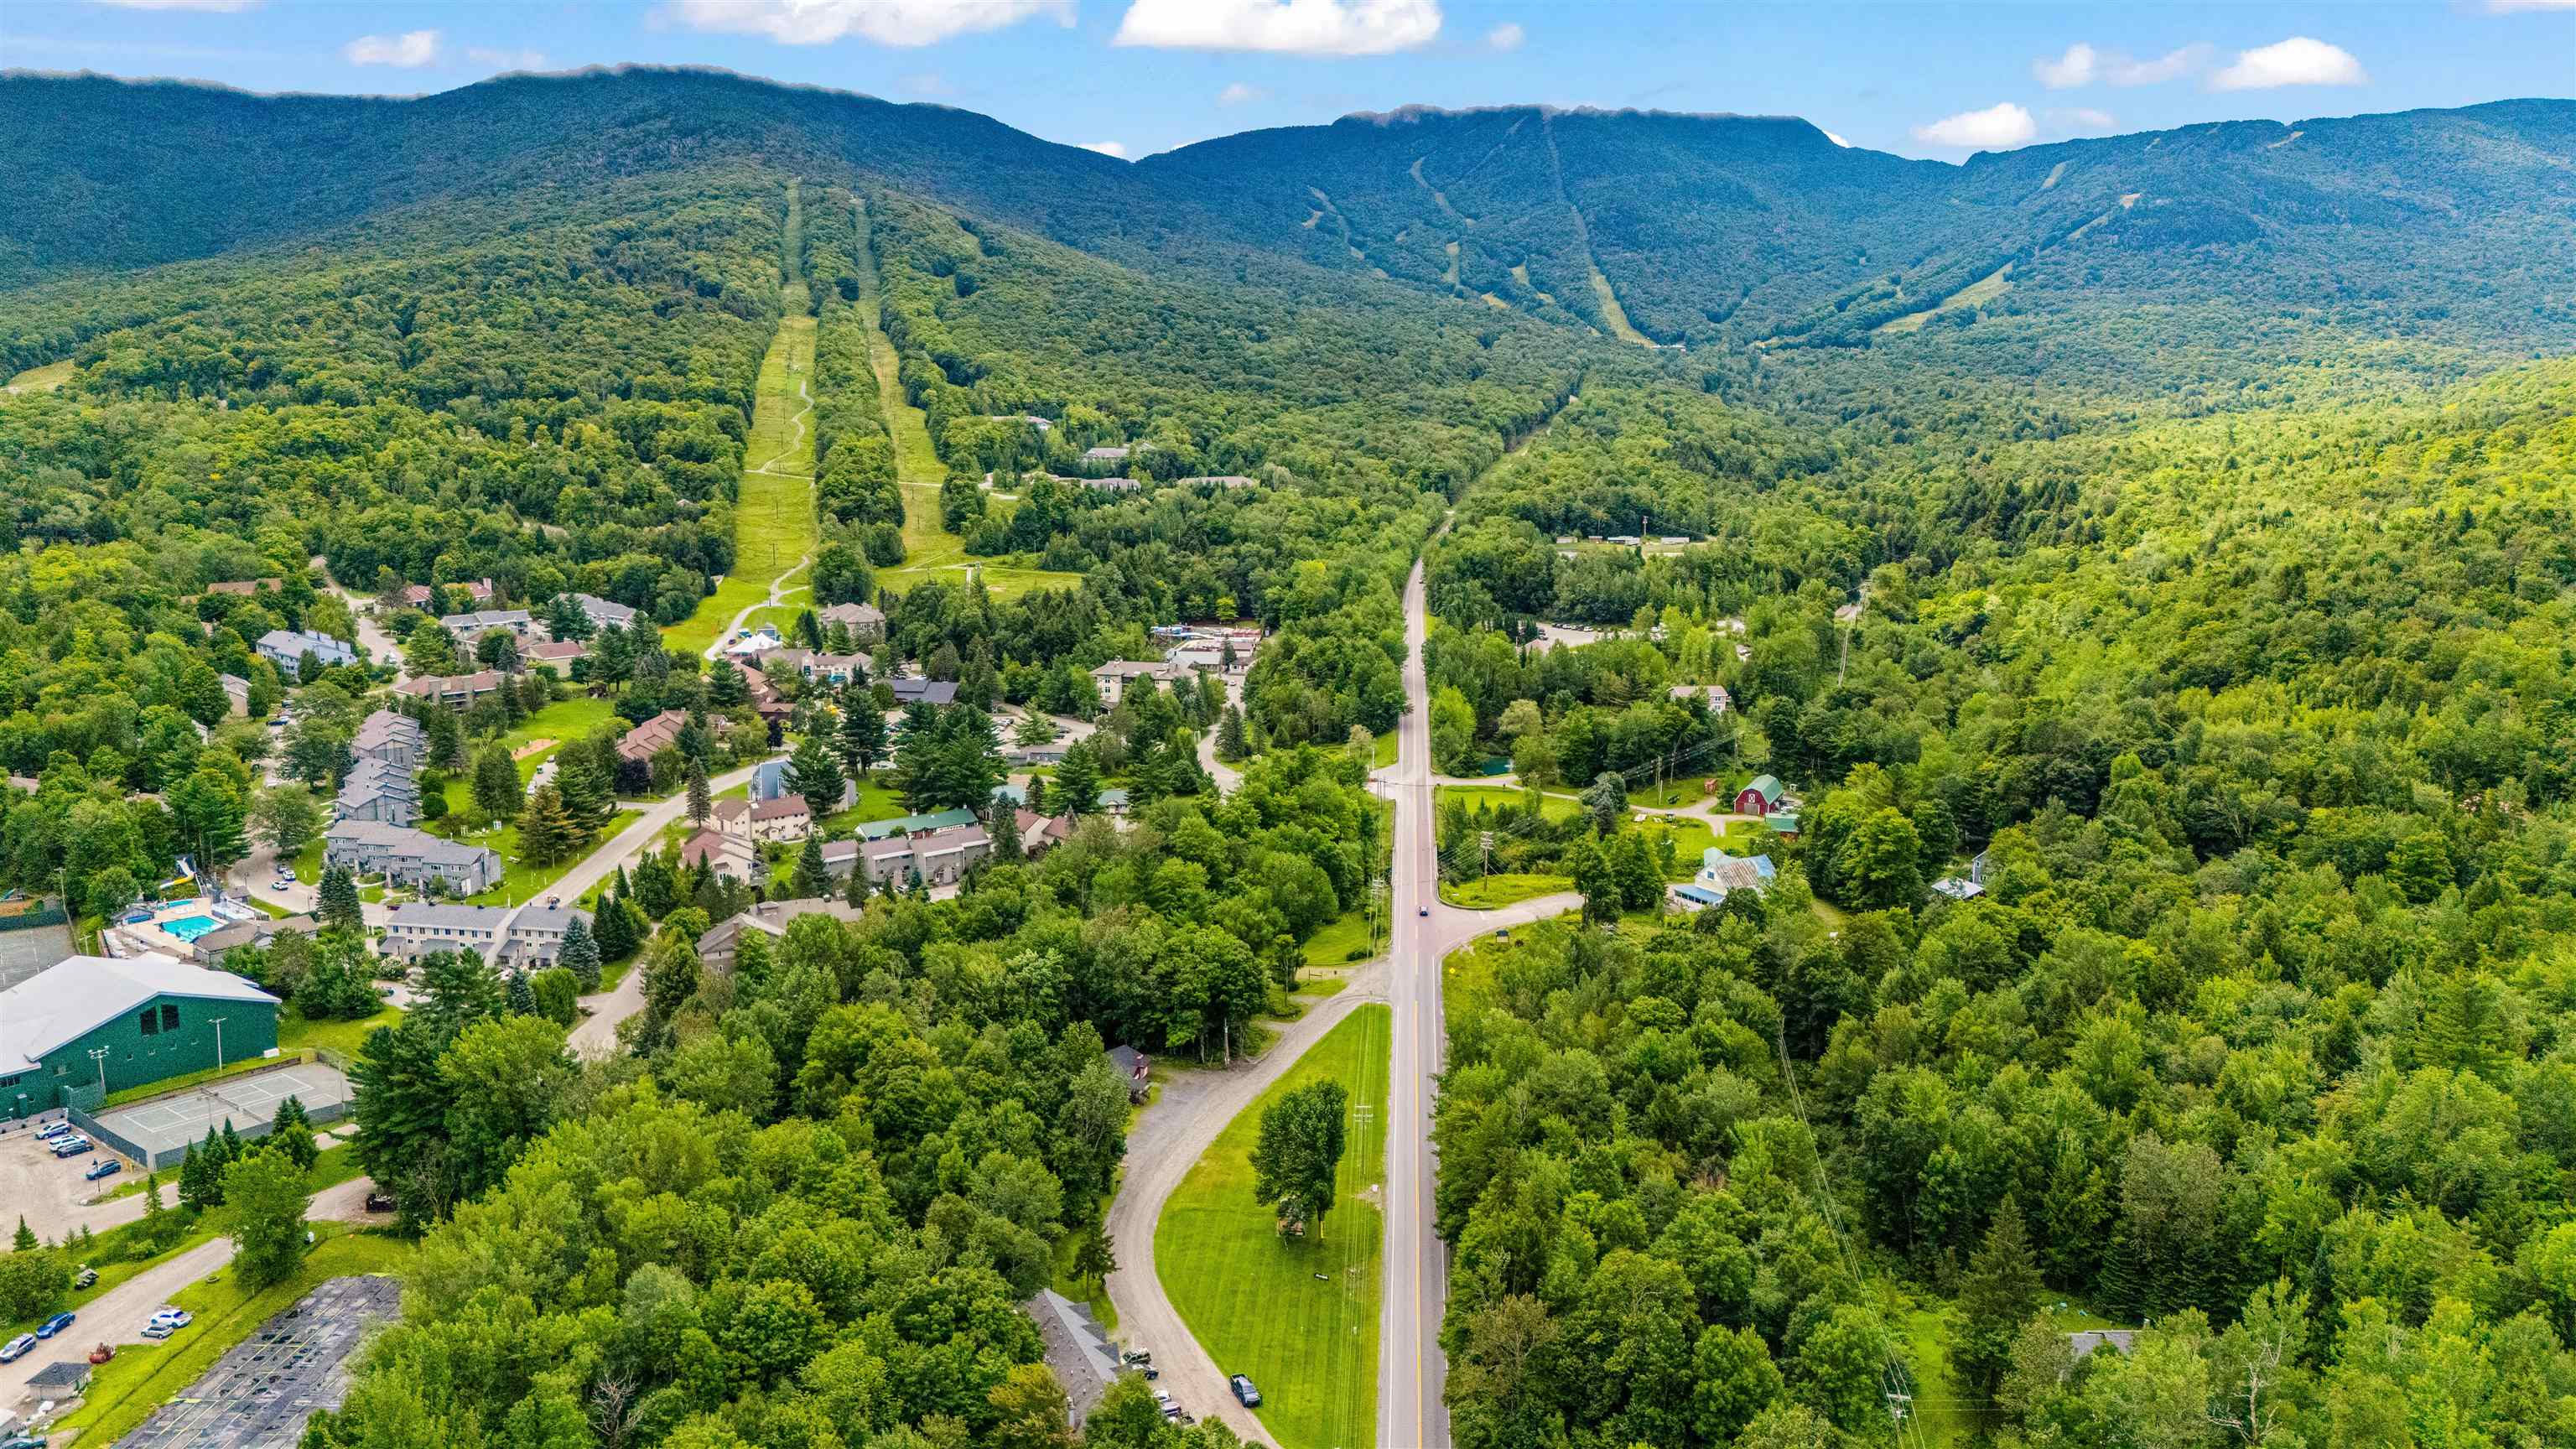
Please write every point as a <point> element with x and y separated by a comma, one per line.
<point>2082,120</point>
<point>1239,94</point>
<point>2297,61</point>
<point>1107,148</point>
<point>1837,140</point>
<point>409,50</point>
<point>507,59</point>
<point>1506,36</point>
<point>2082,65</point>
<point>886,22</point>
<point>1998,127</point>
<point>220,7</point>
<point>1291,27</point>
<point>2074,68</point>
<point>2172,65</point>
<point>2502,7</point>
<point>925,83</point>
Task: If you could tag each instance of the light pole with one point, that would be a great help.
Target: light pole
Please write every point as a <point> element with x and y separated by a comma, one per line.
<point>99,1055</point>
<point>219,1041</point>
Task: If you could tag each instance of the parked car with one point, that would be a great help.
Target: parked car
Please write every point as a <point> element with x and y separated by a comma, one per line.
<point>52,1130</point>
<point>74,1147</point>
<point>22,1441</point>
<point>87,1276</point>
<point>1422,910</point>
<point>174,1317</point>
<point>1244,1393</point>
<point>380,1202</point>
<point>55,1324</point>
<point>1137,1355</point>
<point>104,1167</point>
<point>16,1348</point>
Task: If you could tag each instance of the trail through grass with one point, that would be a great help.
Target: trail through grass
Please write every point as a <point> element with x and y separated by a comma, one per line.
<point>1254,1298</point>
<point>930,551</point>
<point>40,379</point>
<point>773,516</point>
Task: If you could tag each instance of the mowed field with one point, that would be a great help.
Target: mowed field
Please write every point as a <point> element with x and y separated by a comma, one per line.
<point>1254,1298</point>
<point>930,551</point>
<point>773,516</point>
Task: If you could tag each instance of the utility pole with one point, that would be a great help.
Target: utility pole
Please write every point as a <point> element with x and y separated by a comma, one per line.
<point>219,1041</point>
<point>99,1055</point>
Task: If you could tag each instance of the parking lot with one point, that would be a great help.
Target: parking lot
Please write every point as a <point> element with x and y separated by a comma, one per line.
<point>260,1394</point>
<point>161,1126</point>
<point>51,1193</point>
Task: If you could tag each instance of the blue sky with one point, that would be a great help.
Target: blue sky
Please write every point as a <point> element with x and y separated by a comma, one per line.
<point>1139,76</point>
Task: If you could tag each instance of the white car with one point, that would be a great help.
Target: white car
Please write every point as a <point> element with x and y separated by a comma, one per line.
<point>168,1321</point>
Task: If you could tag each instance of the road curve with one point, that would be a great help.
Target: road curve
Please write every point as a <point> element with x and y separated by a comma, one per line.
<point>598,1035</point>
<point>1169,1137</point>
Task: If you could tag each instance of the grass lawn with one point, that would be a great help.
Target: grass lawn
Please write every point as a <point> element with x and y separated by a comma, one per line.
<point>1324,981</point>
<point>565,720</point>
<point>112,1254</point>
<point>1554,807</point>
<point>1677,793</point>
<point>1382,750</point>
<point>773,515</point>
<point>142,1377</point>
<point>308,862</point>
<point>1502,890</point>
<point>1338,940</point>
<point>877,801</point>
<point>1252,1297</point>
<point>1690,839</point>
<point>41,379</point>
<point>295,1034</point>
<point>525,880</point>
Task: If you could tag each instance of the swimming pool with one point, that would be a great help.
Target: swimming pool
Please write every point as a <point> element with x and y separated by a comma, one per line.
<point>189,928</point>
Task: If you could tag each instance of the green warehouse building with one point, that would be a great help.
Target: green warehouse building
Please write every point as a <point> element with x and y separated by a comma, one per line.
<point>96,1025</point>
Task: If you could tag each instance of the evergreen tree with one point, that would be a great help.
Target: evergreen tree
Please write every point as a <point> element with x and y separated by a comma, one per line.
<point>519,996</point>
<point>1077,782</point>
<point>1998,1295</point>
<point>26,1236</point>
<point>855,890</point>
<point>700,805</point>
<point>617,934</point>
<point>156,1216</point>
<point>1231,746</point>
<point>194,1188</point>
<point>496,786</point>
<point>1597,881</point>
<point>582,778</point>
<point>725,685</point>
<point>581,950</point>
<point>1006,833</point>
<point>292,1134</point>
<point>863,730</point>
<point>339,901</point>
<point>814,773</point>
<point>810,881</point>
<point>546,830</point>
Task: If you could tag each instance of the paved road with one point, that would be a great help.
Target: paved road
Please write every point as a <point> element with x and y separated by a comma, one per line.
<point>1412,1372</point>
<point>1168,1139</point>
<point>598,1035</point>
<point>118,1315</point>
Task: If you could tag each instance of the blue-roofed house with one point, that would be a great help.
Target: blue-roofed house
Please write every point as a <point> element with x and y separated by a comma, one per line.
<point>770,780</point>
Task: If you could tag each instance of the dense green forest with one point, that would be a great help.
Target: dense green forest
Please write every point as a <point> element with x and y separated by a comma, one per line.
<point>2172,532</point>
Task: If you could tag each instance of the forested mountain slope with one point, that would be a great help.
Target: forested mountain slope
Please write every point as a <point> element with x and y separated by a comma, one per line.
<point>1731,230</point>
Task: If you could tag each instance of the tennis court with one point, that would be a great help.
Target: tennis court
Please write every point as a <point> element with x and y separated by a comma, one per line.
<point>158,1128</point>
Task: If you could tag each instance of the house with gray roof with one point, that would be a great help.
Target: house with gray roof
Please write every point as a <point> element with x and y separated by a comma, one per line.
<point>454,691</point>
<point>392,739</point>
<point>851,616</point>
<point>375,790</point>
<point>517,623</point>
<point>604,612</point>
<point>286,649</point>
<point>532,942</point>
<point>407,857</point>
<point>1076,1349</point>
